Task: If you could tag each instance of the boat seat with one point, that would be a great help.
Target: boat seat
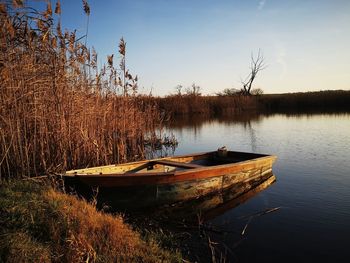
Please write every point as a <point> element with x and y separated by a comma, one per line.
<point>147,165</point>
<point>178,164</point>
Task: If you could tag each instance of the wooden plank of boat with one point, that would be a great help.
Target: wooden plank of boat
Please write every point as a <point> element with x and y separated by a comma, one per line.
<point>150,165</point>
<point>178,164</point>
<point>147,165</point>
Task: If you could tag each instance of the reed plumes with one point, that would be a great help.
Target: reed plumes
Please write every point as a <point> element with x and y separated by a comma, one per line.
<point>58,109</point>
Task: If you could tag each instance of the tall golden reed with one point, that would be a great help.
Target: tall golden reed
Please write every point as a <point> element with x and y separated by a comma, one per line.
<point>58,109</point>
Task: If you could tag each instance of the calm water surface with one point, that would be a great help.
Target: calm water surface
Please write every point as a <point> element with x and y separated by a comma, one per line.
<point>312,187</point>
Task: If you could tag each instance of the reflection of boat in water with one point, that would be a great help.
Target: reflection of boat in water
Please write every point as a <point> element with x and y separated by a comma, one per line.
<point>173,179</point>
<point>213,205</point>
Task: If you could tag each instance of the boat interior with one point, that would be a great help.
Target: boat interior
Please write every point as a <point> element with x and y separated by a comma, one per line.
<point>169,164</point>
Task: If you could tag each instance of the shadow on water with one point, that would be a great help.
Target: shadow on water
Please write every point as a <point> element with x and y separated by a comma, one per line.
<point>191,226</point>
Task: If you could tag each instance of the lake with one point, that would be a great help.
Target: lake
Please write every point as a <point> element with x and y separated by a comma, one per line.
<point>312,187</point>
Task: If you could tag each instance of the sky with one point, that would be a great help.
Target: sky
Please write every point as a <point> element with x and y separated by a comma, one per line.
<point>305,43</point>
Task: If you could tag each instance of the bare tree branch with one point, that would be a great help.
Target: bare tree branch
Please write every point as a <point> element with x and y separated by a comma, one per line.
<point>256,65</point>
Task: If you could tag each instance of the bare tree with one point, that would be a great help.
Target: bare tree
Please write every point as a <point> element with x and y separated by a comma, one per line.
<point>178,89</point>
<point>194,90</point>
<point>257,92</point>
<point>229,92</point>
<point>256,65</point>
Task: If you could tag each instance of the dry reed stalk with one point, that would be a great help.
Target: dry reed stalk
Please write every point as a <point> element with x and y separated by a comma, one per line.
<point>54,117</point>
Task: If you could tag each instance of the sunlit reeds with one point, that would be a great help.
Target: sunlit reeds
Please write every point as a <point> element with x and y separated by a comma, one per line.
<point>58,108</point>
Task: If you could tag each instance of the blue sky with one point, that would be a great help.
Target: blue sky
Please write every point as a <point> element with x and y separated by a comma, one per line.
<point>170,42</point>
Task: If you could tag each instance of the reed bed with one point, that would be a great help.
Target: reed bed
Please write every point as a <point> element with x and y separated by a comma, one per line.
<point>303,102</point>
<point>58,109</point>
<point>208,105</point>
<point>332,101</point>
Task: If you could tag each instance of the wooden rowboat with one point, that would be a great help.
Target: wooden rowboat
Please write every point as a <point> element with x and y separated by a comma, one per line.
<point>172,179</point>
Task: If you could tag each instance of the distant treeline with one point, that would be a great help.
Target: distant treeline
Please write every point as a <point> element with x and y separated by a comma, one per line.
<point>321,101</point>
<point>212,105</point>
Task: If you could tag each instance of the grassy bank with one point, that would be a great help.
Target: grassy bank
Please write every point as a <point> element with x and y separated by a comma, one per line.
<point>40,224</point>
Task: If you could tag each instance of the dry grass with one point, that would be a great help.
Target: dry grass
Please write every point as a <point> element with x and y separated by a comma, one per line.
<point>58,109</point>
<point>39,224</point>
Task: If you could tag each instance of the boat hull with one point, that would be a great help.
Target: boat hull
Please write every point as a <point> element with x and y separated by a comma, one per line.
<point>153,190</point>
<point>211,205</point>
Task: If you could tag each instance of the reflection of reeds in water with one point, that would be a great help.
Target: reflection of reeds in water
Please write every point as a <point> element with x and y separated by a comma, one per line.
<point>59,110</point>
<point>197,121</point>
<point>158,147</point>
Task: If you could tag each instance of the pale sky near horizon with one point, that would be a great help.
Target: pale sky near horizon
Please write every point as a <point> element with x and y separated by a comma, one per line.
<point>171,42</point>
